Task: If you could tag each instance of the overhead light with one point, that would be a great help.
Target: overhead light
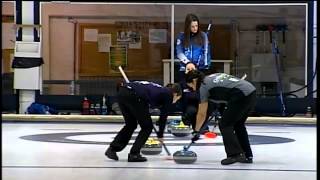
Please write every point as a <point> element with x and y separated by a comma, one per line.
<point>60,1</point>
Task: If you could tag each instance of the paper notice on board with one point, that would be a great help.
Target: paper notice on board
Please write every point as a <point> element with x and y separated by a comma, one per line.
<point>157,36</point>
<point>118,57</point>
<point>90,35</point>
<point>135,43</point>
<point>104,42</point>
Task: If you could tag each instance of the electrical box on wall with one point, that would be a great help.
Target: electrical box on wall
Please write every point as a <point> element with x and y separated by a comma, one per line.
<point>31,77</point>
<point>27,49</point>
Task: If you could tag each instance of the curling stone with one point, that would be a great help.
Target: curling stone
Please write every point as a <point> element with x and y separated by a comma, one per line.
<point>181,130</point>
<point>151,147</point>
<point>184,156</point>
<point>171,124</point>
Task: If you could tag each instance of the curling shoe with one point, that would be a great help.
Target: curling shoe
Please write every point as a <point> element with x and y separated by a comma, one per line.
<point>111,154</point>
<point>248,160</point>
<point>234,159</point>
<point>136,158</point>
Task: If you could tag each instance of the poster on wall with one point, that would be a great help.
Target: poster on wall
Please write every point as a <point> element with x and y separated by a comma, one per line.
<point>157,36</point>
<point>135,42</point>
<point>90,35</point>
<point>104,42</point>
<point>132,39</point>
<point>117,57</point>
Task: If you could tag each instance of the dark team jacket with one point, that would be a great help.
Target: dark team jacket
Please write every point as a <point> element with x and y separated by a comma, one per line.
<point>156,96</point>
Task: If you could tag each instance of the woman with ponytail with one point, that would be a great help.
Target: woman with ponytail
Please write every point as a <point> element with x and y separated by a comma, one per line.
<point>240,97</point>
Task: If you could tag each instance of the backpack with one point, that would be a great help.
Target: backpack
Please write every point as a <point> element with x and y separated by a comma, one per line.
<point>36,108</point>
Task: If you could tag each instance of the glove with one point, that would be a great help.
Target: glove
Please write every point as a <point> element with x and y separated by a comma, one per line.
<point>196,136</point>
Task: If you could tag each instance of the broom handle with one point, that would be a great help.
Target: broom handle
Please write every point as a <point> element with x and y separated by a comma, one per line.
<point>186,148</point>
<point>124,75</point>
<point>164,145</point>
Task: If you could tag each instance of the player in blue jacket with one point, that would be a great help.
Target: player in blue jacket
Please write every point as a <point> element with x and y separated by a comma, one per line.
<point>192,49</point>
<point>192,46</point>
<point>135,99</point>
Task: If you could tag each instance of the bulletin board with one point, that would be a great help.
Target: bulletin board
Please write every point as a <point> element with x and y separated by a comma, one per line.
<point>141,58</point>
<point>7,58</point>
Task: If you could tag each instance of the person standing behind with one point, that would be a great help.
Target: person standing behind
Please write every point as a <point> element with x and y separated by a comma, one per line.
<point>135,99</point>
<point>240,96</point>
<point>192,49</point>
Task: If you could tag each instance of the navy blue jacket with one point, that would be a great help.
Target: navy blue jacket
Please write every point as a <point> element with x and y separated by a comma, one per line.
<point>156,96</point>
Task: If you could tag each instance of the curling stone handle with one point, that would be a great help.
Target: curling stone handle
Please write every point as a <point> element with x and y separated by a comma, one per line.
<point>186,148</point>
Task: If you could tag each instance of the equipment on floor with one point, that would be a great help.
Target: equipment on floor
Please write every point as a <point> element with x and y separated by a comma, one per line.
<point>210,134</point>
<point>185,156</point>
<point>171,124</point>
<point>85,106</point>
<point>181,130</point>
<point>151,147</point>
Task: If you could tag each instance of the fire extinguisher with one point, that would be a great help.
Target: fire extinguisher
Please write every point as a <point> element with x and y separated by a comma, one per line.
<point>85,106</point>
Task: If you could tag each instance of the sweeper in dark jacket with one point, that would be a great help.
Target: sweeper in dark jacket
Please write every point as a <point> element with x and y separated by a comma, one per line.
<point>135,99</point>
<point>240,97</point>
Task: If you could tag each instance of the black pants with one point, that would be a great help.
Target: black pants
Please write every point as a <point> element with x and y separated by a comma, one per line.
<point>232,125</point>
<point>190,106</point>
<point>190,102</point>
<point>135,111</point>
